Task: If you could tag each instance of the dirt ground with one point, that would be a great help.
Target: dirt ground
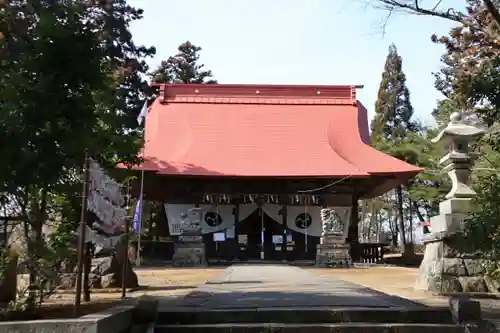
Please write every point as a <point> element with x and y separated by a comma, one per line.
<point>155,281</point>
<point>397,281</point>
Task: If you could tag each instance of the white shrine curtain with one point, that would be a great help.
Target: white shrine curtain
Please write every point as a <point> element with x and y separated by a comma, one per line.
<point>173,212</point>
<point>245,210</point>
<point>293,213</point>
<point>224,211</point>
<point>273,211</point>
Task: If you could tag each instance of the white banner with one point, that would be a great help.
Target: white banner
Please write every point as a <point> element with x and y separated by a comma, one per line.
<point>304,219</point>
<point>213,218</point>
<point>245,210</point>
<point>173,212</point>
<point>273,211</point>
<point>217,217</point>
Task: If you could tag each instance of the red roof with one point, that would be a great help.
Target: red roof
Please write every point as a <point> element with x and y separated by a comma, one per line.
<point>263,130</point>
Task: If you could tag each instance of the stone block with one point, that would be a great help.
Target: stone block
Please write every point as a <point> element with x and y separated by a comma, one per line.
<point>67,281</point>
<point>449,284</point>
<point>449,251</point>
<point>450,222</point>
<point>453,266</point>
<point>474,284</point>
<point>474,267</point>
<point>464,310</point>
<point>492,284</point>
<point>189,255</point>
<point>433,251</point>
<point>145,310</point>
<point>115,320</point>
<point>333,255</point>
<point>456,205</point>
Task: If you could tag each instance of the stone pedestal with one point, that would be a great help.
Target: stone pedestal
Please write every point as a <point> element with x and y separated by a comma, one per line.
<point>333,255</point>
<point>332,251</point>
<point>189,251</point>
<point>447,268</point>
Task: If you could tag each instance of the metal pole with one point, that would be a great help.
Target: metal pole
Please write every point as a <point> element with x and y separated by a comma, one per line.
<point>125,257</point>
<point>138,259</point>
<point>262,253</point>
<point>81,236</point>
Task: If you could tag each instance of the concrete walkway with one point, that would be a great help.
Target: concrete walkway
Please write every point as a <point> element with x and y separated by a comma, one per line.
<point>283,286</point>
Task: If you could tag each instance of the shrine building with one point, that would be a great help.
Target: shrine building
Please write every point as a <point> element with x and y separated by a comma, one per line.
<point>262,161</point>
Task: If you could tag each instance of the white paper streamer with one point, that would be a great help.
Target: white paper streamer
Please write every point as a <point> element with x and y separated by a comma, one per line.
<point>105,198</point>
<point>105,185</point>
<point>106,212</point>
<point>100,241</point>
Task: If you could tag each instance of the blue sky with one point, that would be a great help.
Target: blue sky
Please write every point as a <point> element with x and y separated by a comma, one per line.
<point>325,42</point>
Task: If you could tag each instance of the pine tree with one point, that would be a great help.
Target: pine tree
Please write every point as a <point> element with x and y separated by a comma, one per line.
<point>184,67</point>
<point>392,123</point>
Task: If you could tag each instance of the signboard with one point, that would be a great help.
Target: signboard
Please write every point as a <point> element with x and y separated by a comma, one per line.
<point>277,239</point>
<point>219,236</point>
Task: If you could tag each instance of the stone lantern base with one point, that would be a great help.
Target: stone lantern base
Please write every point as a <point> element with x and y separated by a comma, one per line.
<point>445,268</point>
<point>333,255</point>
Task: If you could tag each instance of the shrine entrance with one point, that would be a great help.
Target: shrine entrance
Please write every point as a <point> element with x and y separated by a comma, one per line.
<point>260,237</point>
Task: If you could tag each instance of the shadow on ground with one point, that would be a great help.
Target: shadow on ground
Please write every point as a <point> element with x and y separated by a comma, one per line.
<point>413,260</point>
<point>167,287</point>
<point>248,298</point>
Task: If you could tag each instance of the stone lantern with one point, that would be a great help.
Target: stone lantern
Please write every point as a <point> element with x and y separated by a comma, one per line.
<point>458,138</point>
<point>444,268</point>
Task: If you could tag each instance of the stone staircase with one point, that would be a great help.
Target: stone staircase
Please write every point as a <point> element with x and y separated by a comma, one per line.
<point>318,320</point>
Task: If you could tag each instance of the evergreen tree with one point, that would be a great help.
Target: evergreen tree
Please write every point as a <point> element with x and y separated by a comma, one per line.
<point>393,124</point>
<point>184,67</point>
<point>393,109</point>
<point>69,81</point>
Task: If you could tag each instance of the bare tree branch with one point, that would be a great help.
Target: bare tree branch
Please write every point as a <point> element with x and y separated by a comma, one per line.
<point>450,14</point>
<point>437,5</point>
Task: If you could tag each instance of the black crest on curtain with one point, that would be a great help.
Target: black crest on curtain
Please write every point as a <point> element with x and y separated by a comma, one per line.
<point>213,219</point>
<point>303,220</point>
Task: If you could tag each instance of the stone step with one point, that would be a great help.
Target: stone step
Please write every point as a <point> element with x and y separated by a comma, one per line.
<point>187,316</point>
<point>308,328</point>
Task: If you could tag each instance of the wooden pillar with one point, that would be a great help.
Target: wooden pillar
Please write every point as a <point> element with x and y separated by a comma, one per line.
<point>353,232</point>
<point>236,244</point>
<point>285,227</point>
<point>352,235</point>
<point>87,267</point>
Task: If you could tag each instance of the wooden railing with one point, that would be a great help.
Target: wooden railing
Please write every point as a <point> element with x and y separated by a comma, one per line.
<point>369,253</point>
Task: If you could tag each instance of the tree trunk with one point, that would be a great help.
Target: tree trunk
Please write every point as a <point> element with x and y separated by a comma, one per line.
<point>410,219</point>
<point>400,218</point>
<point>35,250</point>
<point>86,273</point>
<point>419,215</point>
